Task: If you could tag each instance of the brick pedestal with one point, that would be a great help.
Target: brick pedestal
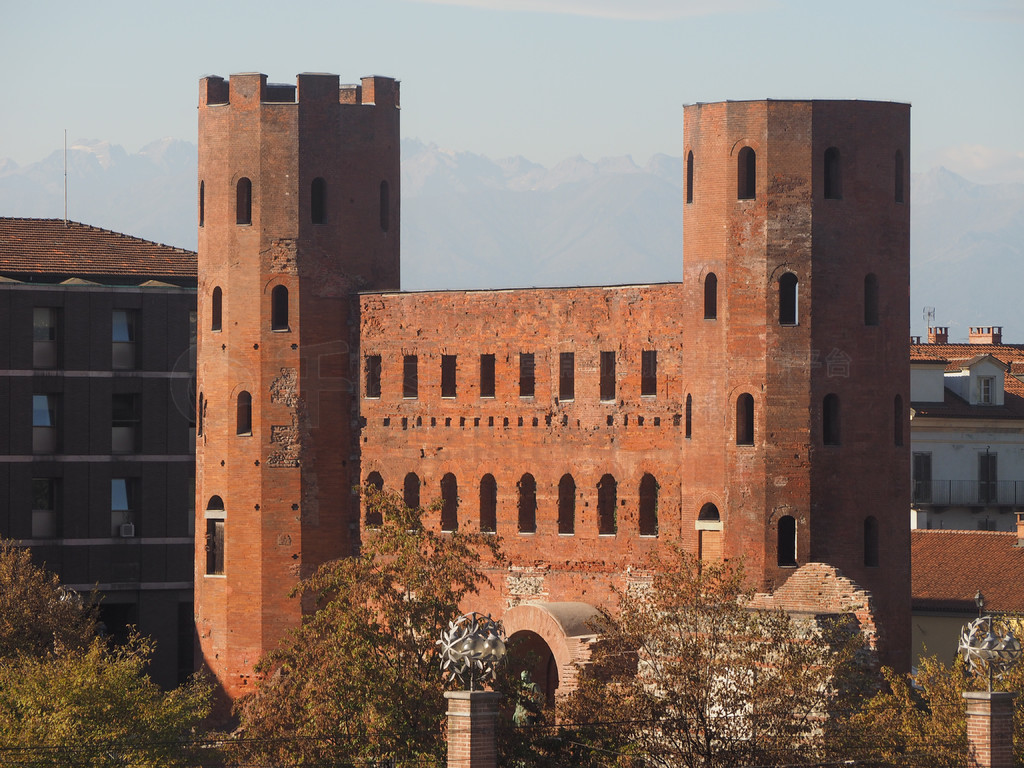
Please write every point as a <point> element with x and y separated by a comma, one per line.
<point>989,729</point>
<point>472,724</point>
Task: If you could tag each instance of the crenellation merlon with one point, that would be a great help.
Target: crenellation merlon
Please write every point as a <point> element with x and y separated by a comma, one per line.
<point>252,88</point>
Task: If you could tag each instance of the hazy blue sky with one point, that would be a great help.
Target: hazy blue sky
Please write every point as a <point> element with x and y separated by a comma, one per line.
<point>547,79</point>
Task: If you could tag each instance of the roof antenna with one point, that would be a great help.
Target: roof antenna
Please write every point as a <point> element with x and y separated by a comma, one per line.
<point>65,178</point>
<point>929,316</point>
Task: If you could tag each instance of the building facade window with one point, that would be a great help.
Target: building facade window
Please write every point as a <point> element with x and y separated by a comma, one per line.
<point>566,376</point>
<point>745,419</point>
<point>786,549</point>
<point>124,424</point>
<point>986,390</point>
<point>689,176</point>
<point>527,378</point>
<point>243,414</point>
<point>710,296</point>
<point>689,417</point>
<point>649,373</point>
<point>214,543</point>
<point>789,290</point>
<point>988,480</point>
<point>410,377</point>
<point>527,504</point>
<point>488,504</point>
<point>318,201</point>
<point>372,371</point>
<point>123,512</point>
<point>871,542</point>
<point>46,423</point>
<point>123,339</point>
<point>279,308</point>
<point>202,203</point>
<point>566,505</point>
<point>448,376</point>
<point>449,503</point>
<point>607,376</point>
<point>216,306</point>
<point>746,174</point>
<point>830,426</point>
<point>374,517</point>
<point>486,375</point>
<point>45,507</point>
<point>46,327</point>
<point>607,506</point>
<point>922,478</point>
<point>243,201</point>
<point>833,177</point>
<point>411,491</point>
<point>648,517</point>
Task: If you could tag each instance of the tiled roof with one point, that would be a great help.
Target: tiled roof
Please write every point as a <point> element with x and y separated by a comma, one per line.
<point>956,357</point>
<point>948,567</point>
<point>48,247</point>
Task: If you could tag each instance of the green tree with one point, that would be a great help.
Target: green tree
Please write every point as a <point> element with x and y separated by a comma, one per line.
<point>685,675</point>
<point>360,679</point>
<point>69,698</point>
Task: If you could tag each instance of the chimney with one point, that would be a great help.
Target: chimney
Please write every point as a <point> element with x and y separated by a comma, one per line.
<point>938,335</point>
<point>986,334</point>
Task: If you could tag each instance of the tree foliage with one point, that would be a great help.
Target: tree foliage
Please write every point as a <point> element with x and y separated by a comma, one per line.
<point>360,679</point>
<point>69,698</point>
<point>685,675</point>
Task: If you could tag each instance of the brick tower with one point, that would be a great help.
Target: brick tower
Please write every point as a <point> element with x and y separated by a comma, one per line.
<point>796,239</point>
<point>298,208</point>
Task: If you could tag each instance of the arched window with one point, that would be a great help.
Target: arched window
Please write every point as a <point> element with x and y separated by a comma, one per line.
<point>830,419</point>
<point>449,503</point>
<point>607,501</point>
<point>897,420</point>
<point>215,504</point>
<point>709,513</point>
<point>745,419</point>
<point>898,178</point>
<point>833,180</point>
<point>871,542</point>
<point>243,421</point>
<point>488,504</point>
<point>200,408</point>
<point>788,294</point>
<point>566,505</point>
<point>786,550</point>
<point>689,416</point>
<point>411,491</point>
<point>243,201</point>
<point>870,299</point>
<point>689,177</point>
<point>710,296</point>
<point>374,517</point>
<point>202,202</point>
<point>746,174</point>
<point>527,504</point>
<point>648,506</point>
<point>385,207</point>
<point>216,302</point>
<point>709,534</point>
<point>318,201</point>
<point>279,308</point>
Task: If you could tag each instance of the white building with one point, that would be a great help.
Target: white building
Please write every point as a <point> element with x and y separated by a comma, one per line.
<point>967,431</point>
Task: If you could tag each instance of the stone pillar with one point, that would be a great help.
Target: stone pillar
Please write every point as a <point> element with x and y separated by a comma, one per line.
<point>472,729</point>
<point>989,729</point>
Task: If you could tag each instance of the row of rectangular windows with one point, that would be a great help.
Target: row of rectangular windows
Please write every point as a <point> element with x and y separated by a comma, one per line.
<point>47,503</point>
<point>48,335</point>
<point>373,366</point>
<point>125,422</point>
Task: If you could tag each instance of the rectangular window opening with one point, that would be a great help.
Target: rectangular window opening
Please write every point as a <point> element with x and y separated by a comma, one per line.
<point>486,375</point>
<point>447,375</point>
<point>410,377</point>
<point>526,374</point>
<point>649,373</point>
<point>566,376</point>
<point>607,376</point>
<point>373,366</point>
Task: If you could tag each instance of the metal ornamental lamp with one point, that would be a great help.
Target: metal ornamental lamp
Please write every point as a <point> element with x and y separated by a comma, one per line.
<point>471,649</point>
<point>988,644</point>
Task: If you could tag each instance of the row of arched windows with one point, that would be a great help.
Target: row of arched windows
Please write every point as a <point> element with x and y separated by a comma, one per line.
<point>789,286</point>
<point>278,308</point>
<point>526,503</point>
<point>832,179</point>
<point>243,414</point>
<point>317,202</point>
<point>786,542</point>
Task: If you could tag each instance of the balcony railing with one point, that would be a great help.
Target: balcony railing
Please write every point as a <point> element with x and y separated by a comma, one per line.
<point>968,493</point>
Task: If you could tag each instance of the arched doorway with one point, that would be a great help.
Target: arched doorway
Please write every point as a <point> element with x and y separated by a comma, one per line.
<point>527,651</point>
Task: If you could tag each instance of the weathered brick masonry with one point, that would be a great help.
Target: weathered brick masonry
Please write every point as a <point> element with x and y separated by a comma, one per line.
<point>755,410</point>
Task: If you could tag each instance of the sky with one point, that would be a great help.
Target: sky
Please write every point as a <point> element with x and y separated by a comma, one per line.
<point>545,79</point>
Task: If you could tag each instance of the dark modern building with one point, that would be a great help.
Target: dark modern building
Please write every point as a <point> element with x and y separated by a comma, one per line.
<point>97,434</point>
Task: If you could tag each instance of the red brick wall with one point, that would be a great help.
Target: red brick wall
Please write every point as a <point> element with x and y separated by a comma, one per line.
<point>286,487</point>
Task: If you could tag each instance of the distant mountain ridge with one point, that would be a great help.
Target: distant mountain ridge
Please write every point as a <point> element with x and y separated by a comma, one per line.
<point>472,222</point>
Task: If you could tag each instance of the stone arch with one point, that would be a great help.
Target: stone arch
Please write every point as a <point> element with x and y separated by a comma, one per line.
<point>564,628</point>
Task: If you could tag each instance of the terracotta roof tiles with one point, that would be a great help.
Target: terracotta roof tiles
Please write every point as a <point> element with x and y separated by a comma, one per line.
<point>948,567</point>
<point>48,247</point>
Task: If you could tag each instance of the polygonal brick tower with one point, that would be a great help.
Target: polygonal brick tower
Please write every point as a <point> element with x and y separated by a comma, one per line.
<point>298,208</point>
<point>797,267</point>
